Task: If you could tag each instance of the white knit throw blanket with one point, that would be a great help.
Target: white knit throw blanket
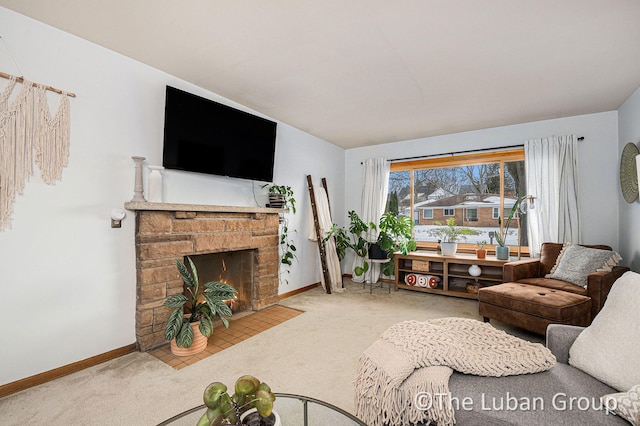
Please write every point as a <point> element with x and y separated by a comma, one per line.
<point>413,357</point>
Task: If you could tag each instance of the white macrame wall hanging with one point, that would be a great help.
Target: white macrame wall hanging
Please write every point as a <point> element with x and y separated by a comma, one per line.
<point>27,132</point>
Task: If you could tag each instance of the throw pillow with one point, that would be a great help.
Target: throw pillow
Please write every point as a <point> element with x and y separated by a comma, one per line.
<point>578,262</point>
<point>610,347</point>
<point>558,259</point>
<point>625,404</point>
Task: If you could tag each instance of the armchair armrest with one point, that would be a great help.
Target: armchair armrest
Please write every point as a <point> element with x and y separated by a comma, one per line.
<point>559,339</point>
<point>598,287</point>
<point>514,271</point>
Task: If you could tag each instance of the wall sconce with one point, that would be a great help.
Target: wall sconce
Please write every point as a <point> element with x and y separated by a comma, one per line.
<point>527,204</point>
<point>116,217</point>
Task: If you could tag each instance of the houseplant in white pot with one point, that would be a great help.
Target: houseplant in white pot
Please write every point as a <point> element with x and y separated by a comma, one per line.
<point>251,404</point>
<point>450,234</point>
<point>191,322</point>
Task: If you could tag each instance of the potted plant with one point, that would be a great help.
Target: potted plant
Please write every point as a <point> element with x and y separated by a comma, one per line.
<point>502,250</point>
<point>358,242</point>
<point>481,253</point>
<point>251,404</point>
<point>395,236</point>
<point>192,317</point>
<point>450,234</point>
<point>353,238</point>
<point>281,197</point>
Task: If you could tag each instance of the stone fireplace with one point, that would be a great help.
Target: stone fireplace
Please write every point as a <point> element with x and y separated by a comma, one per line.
<point>219,238</point>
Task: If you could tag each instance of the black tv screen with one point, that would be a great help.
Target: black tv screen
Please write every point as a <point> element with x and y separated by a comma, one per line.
<point>204,136</point>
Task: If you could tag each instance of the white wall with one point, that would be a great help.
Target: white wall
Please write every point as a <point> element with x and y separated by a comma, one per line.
<point>67,289</point>
<point>598,156</point>
<point>629,131</point>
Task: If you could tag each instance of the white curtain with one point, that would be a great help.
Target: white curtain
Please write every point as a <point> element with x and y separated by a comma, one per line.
<point>551,166</point>
<point>374,200</point>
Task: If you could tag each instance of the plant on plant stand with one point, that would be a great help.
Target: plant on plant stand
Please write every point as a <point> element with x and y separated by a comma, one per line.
<point>502,250</point>
<point>353,239</point>
<point>395,236</point>
<point>193,314</point>
<point>251,404</point>
<point>450,234</point>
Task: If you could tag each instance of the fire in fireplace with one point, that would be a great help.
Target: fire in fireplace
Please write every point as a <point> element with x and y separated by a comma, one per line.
<point>232,267</point>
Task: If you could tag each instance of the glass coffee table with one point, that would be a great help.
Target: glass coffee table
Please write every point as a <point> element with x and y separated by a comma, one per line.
<point>294,410</point>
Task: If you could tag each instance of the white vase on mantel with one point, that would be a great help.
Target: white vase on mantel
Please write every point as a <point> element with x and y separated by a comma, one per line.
<point>154,184</point>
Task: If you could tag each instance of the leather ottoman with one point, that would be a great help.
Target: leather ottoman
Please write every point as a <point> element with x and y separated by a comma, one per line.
<point>532,307</point>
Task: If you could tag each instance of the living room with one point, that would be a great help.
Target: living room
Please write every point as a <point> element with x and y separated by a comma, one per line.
<point>69,278</point>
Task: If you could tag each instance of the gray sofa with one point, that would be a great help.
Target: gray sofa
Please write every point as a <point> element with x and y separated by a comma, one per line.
<point>563,395</point>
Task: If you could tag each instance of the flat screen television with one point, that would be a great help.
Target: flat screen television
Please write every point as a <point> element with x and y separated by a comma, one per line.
<point>204,136</point>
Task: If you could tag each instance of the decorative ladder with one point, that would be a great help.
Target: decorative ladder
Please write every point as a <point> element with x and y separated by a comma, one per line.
<point>319,236</point>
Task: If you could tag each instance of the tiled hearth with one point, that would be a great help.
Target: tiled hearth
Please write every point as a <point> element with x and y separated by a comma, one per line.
<point>240,329</point>
<point>166,233</point>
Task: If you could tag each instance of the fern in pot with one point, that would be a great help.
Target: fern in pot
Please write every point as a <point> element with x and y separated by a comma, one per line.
<point>191,322</point>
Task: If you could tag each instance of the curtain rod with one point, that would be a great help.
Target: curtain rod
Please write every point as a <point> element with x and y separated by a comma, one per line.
<point>21,80</point>
<point>469,151</point>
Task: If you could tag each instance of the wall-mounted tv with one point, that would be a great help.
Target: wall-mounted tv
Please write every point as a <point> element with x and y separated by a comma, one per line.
<point>204,136</point>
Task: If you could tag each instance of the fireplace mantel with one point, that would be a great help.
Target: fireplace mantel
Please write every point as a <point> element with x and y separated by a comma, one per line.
<point>166,233</point>
<point>175,207</point>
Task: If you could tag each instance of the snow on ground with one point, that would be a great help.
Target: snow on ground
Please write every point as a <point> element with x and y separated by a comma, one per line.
<point>421,233</point>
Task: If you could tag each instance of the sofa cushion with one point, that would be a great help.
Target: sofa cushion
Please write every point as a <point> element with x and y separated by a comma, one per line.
<point>554,284</point>
<point>531,399</point>
<point>577,262</point>
<point>625,404</point>
<point>609,348</point>
<point>541,302</point>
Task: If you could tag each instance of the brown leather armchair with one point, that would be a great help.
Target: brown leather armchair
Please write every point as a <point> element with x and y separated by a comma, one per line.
<point>533,272</point>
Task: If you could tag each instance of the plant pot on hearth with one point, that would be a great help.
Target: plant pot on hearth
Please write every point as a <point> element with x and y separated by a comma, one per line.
<point>198,345</point>
<point>191,322</point>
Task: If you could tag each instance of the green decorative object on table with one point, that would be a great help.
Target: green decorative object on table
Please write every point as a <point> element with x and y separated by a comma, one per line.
<point>249,393</point>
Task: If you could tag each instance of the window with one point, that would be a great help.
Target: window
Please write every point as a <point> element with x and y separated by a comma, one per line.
<point>471,189</point>
<point>496,213</point>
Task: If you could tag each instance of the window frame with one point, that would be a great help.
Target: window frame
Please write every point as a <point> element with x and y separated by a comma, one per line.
<point>445,210</point>
<point>425,217</point>
<point>446,161</point>
<point>466,214</point>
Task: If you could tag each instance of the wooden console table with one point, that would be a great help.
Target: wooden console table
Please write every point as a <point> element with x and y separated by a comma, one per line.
<point>453,272</point>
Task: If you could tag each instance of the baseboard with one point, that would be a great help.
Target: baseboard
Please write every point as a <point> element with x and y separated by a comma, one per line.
<point>297,291</point>
<point>38,379</point>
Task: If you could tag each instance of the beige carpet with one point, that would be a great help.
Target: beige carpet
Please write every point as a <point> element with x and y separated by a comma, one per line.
<point>313,354</point>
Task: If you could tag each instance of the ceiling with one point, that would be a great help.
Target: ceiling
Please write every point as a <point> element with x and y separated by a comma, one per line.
<point>365,72</point>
